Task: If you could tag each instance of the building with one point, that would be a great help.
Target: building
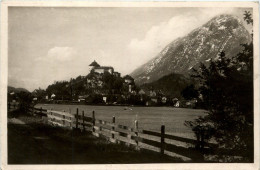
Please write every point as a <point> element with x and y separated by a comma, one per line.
<point>53,96</point>
<point>152,93</point>
<point>93,65</point>
<point>128,79</point>
<point>177,104</point>
<point>116,74</point>
<point>105,99</point>
<point>96,68</point>
<point>164,99</point>
<point>141,92</point>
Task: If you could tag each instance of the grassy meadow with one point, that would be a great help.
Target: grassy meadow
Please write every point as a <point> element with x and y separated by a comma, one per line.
<point>149,118</point>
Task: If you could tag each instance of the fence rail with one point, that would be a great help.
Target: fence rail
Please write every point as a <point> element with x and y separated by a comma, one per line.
<point>117,133</point>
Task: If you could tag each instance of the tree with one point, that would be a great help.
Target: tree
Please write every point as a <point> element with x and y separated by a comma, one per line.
<point>189,92</point>
<point>40,94</point>
<point>227,89</point>
<point>25,101</point>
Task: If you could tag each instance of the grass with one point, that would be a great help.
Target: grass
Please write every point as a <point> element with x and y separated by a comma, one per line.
<point>149,118</point>
<point>38,143</point>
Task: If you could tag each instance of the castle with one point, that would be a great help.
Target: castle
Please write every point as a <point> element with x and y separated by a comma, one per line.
<point>95,67</point>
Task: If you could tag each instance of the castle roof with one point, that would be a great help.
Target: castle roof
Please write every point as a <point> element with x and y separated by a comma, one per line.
<point>106,67</point>
<point>95,64</point>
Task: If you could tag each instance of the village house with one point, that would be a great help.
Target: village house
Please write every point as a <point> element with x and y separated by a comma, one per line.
<point>164,99</point>
<point>53,96</point>
<point>151,102</point>
<point>128,79</point>
<point>105,99</point>
<point>141,92</point>
<point>116,74</point>
<point>176,102</point>
<point>82,98</point>
<point>155,100</point>
<point>152,93</point>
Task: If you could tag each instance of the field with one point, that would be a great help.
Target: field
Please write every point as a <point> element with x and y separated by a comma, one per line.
<point>149,118</point>
<point>43,144</point>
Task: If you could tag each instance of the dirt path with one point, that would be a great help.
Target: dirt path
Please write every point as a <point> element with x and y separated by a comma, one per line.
<point>37,143</point>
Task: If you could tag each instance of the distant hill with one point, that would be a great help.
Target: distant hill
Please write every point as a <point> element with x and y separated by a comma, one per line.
<point>224,32</point>
<point>170,85</point>
<point>16,90</point>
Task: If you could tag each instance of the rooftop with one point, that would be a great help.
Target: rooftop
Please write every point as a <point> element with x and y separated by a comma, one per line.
<point>95,64</point>
<point>128,77</point>
<point>105,67</point>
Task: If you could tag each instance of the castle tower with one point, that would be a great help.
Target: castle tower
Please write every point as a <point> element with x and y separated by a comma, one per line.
<point>93,65</point>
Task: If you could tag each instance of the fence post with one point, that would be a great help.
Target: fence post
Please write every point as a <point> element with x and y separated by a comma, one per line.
<point>136,133</point>
<point>63,121</point>
<point>113,127</point>
<point>9,105</point>
<point>198,132</point>
<point>77,116</point>
<point>202,139</point>
<point>162,138</point>
<point>83,120</point>
<point>93,120</point>
<point>32,110</point>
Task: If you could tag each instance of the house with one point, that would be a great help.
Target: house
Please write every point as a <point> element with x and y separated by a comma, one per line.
<point>154,100</point>
<point>152,93</point>
<point>82,98</point>
<point>177,104</point>
<point>151,102</point>
<point>164,99</point>
<point>116,74</point>
<point>53,96</point>
<point>105,99</point>
<point>96,68</point>
<point>128,79</point>
<point>141,92</point>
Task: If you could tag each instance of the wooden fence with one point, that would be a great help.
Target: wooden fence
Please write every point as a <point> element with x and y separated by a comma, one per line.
<point>116,133</point>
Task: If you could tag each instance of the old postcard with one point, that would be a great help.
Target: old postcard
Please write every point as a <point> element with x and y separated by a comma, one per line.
<point>129,85</point>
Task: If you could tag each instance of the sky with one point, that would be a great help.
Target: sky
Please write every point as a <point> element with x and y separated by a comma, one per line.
<point>52,44</point>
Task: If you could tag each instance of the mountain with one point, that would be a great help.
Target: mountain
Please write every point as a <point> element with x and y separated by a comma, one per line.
<point>16,90</point>
<point>224,32</point>
<point>170,85</point>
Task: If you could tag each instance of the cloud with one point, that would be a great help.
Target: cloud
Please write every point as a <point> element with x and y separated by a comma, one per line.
<point>58,54</point>
<point>158,36</point>
<point>61,53</point>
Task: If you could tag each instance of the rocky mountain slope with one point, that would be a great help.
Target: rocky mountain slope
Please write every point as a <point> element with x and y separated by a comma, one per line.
<point>224,32</point>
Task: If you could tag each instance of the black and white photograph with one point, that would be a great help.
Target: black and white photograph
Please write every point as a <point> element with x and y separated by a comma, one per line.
<point>127,84</point>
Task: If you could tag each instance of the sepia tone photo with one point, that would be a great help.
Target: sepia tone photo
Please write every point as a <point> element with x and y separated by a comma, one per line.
<point>128,84</point>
